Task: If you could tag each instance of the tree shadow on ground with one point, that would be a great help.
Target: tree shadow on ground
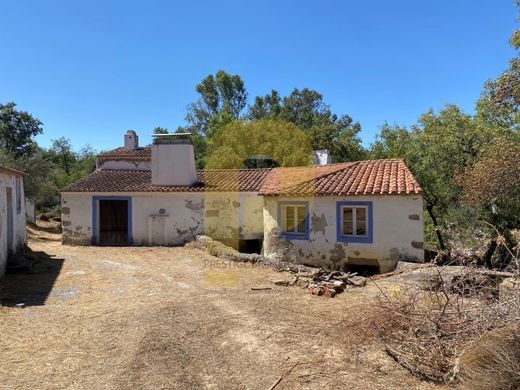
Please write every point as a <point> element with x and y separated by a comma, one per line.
<point>30,287</point>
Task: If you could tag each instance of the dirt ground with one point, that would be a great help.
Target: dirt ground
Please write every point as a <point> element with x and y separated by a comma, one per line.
<point>176,318</point>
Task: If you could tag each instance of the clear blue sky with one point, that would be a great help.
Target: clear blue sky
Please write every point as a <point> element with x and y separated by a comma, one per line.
<point>92,69</point>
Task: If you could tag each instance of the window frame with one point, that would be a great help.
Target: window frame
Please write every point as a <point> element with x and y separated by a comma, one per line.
<point>368,238</point>
<point>282,205</point>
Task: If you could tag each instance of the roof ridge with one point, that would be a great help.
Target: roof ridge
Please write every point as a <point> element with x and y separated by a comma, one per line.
<point>234,169</point>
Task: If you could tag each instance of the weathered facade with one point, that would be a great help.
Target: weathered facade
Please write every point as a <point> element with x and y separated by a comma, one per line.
<point>359,216</point>
<point>165,218</point>
<point>12,214</point>
<point>341,216</point>
<point>154,196</point>
<point>396,233</point>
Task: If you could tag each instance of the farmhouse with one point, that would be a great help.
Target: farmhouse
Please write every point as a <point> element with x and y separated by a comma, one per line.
<point>12,214</point>
<point>342,216</point>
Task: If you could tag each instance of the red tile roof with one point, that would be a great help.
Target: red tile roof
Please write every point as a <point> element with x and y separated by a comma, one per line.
<point>229,180</point>
<point>370,177</point>
<point>142,153</point>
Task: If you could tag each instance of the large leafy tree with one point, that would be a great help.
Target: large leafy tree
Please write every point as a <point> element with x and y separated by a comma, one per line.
<point>160,130</point>
<point>307,110</point>
<point>17,129</point>
<point>37,185</point>
<point>437,148</point>
<point>239,141</point>
<point>62,155</point>
<point>393,141</point>
<point>493,185</point>
<point>222,99</point>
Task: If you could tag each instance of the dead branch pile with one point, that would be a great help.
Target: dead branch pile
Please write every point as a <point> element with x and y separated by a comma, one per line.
<point>427,331</point>
<point>323,282</point>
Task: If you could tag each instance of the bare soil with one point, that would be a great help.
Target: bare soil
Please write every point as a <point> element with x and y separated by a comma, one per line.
<point>177,318</point>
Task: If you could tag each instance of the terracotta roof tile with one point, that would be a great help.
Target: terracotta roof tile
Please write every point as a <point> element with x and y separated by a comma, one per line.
<point>142,153</point>
<point>370,177</point>
<point>232,180</point>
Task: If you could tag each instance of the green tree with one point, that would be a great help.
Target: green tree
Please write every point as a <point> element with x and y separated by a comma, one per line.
<point>392,142</point>
<point>499,104</point>
<point>17,129</point>
<point>160,130</point>
<point>266,107</point>
<point>37,185</point>
<point>493,184</point>
<point>222,99</point>
<point>436,149</point>
<point>62,155</point>
<point>306,109</point>
<point>232,145</point>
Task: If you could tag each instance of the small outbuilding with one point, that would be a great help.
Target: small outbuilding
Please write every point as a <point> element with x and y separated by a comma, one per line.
<point>13,236</point>
<point>360,216</point>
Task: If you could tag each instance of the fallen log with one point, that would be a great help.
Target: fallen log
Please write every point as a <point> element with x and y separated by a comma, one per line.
<point>222,251</point>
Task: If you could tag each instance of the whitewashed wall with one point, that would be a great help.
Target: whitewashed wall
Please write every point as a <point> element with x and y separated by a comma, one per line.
<point>182,216</point>
<point>19,230</point>
<point>124,165</point>
<point>397,233</point>
<point>30,210</point>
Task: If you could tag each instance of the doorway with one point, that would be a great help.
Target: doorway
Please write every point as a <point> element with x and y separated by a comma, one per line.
<point>113,222</point>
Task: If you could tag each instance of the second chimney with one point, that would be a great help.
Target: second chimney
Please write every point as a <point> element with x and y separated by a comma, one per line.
<point>131,140</point>
<point>173,160</point>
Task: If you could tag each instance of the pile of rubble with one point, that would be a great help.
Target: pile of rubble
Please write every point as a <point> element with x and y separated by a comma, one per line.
<point>323,282</point>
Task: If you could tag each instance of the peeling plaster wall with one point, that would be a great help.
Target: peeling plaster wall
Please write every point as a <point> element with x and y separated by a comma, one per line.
<point>233,216</point>
<point>124,165</point>
<point>76,219</point>
<point>226,216</point>
<point>19,230</point>
<point>397,223</point>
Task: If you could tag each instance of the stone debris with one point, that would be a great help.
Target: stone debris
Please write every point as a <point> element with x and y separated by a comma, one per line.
<point>323,282</point>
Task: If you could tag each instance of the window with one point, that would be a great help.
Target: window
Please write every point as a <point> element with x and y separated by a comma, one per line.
<point>294,221</point>
<point>354,221</point>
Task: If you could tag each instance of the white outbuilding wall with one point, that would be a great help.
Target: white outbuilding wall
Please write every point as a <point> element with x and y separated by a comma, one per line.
<point>124,165</point>
<point>12,235</point>
<point>397,233</point>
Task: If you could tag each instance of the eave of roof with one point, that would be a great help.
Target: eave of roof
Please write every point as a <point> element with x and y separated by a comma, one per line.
<point>236,180</point>
<point>13,171</point>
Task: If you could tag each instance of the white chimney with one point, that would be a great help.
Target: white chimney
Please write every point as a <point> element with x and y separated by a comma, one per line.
<point>321,157</point>
<point>131,140</point>
<point>173,160</point>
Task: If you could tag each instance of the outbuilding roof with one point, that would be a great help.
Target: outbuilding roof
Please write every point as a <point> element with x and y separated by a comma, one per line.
<point>370,177</point>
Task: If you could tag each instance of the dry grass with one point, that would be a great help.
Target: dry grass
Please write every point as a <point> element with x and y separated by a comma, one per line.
<point>156,318</point>
<point>427,331</point>
<point>493,361</point>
